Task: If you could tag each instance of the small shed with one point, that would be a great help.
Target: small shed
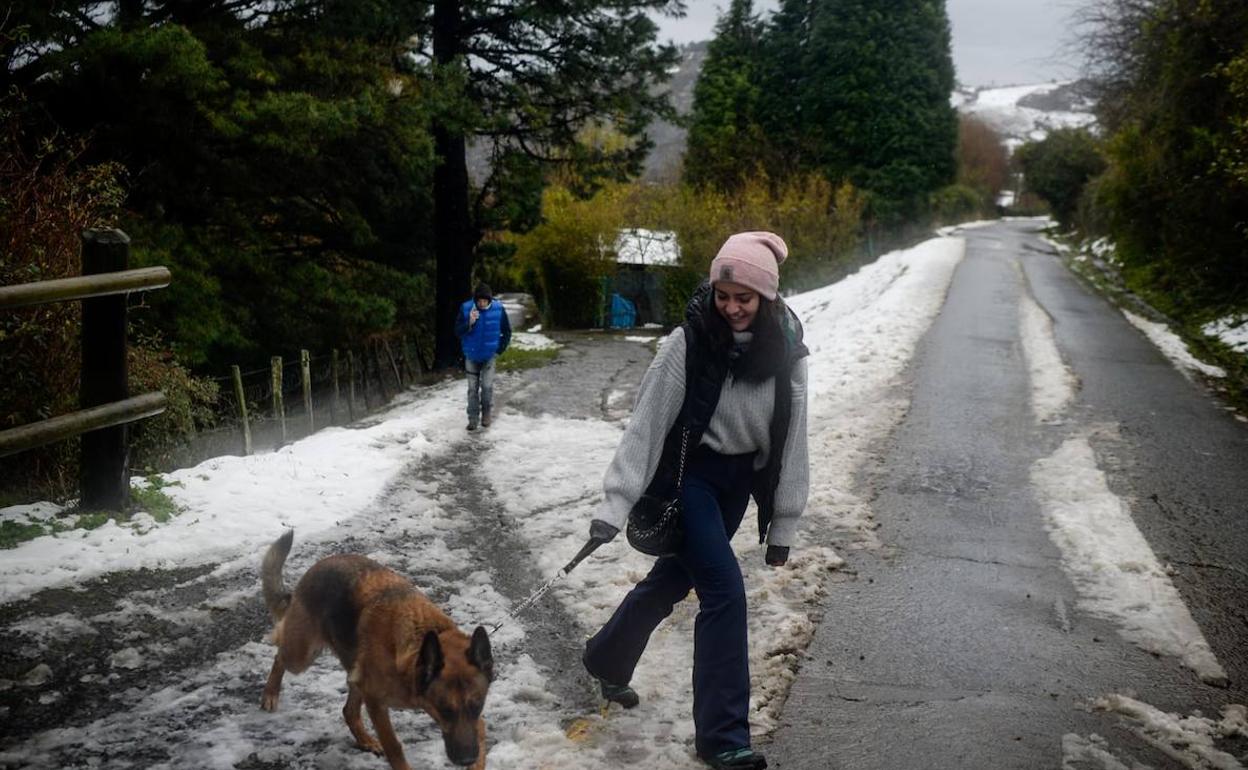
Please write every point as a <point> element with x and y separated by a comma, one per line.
<point>643,257</point>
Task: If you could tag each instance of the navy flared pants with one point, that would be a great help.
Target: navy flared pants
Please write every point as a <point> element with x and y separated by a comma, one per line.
<point>714,497</point>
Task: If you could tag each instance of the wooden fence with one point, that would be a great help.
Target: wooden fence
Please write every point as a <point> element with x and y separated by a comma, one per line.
<point>106,405</point>
<point>348,386</point>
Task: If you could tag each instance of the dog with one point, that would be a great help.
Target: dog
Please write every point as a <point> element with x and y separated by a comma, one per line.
<point>399,650</point>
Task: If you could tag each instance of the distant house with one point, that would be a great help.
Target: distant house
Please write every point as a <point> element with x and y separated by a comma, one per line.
<point>643,257</point>
<point>647,248</point>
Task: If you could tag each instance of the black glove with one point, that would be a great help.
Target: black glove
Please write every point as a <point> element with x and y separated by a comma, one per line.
<point>777,555</point>
<point>601,530</point>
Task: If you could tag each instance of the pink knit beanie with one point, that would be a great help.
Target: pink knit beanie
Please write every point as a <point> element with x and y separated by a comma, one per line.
<point>751,259</point>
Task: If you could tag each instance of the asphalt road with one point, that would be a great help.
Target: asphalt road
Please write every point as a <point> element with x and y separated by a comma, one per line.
<point>961,643</point>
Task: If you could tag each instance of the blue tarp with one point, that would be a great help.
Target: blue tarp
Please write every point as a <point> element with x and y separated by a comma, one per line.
<point>623,313</point>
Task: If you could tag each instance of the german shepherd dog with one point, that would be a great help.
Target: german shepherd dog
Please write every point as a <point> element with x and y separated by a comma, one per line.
<point>399,650</point>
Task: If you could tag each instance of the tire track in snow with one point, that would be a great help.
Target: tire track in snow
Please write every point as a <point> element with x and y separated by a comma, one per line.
<point>553,638</point>
<point>1114,569</point>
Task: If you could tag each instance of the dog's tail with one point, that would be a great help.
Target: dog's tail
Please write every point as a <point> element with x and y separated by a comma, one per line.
<point>276,597</point>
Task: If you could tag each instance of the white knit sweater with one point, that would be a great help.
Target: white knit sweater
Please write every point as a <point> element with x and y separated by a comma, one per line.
<point>741,424</point>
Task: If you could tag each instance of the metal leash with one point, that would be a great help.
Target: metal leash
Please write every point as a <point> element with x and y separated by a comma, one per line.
<point>586,550</point>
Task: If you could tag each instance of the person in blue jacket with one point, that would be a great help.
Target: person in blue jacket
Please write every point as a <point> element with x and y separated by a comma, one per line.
<point>484,333</point>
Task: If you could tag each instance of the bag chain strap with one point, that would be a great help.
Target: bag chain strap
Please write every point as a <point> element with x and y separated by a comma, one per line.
<point>680,473</point>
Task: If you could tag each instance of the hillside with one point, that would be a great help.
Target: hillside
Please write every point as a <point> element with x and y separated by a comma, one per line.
<point>1018,113</point>
<point>1028,112</point>
<point>663,163</point>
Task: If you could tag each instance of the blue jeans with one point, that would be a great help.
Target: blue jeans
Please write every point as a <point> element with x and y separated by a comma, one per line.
<point>715,495</point>
<point>480,387</point>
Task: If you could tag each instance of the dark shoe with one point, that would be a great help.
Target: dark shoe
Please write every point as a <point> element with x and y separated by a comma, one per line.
<point>472,425</point>
<point>737,759</point>
<point>615,693</point>
<point>619,693</point>
<point>485,419</point>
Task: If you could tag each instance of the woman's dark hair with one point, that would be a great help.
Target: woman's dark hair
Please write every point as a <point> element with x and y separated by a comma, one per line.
<point>766,353</point>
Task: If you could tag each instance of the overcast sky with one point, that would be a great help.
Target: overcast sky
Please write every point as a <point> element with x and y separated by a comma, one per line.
<point>995,42</point>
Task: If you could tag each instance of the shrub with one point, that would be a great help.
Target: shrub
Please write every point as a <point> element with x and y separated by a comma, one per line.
<point>564,260</point>
<point>189,410</point>
<point>47,198</point>
<point>820,223</point>
<point>956,203</point>
<point>983,162</point>
<point>1057,167</point>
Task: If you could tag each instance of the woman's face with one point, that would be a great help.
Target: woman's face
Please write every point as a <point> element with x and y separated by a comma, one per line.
<point>737,304</point>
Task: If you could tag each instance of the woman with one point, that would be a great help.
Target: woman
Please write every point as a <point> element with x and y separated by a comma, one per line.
<point>745,407</point>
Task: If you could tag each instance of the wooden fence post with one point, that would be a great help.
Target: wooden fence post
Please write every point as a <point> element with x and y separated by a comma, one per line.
<point>279,408</point>
<point>335,408</point>
<point>305,373</point>
<point>405,358</point>
<point>394,366</point>
<point>104,482</point>
<point>351,385</point>
<point>364,367</point>
<point>242,408</point>
<point>378,372</point>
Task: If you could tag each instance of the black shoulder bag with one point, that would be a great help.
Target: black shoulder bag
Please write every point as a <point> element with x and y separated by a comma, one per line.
<point>654,526</point>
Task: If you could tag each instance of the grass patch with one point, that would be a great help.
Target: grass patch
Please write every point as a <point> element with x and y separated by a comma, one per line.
<point>154,501</point>
<point>515,358</point>
<point>151,499</point>
<point>93,520</point>
<point>13,534</point>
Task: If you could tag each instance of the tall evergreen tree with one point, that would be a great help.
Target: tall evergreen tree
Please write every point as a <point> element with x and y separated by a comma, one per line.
<point>277,158</point>
<point>304,146</point>
<point>783,77</point>
<point>875,102</point>
<point>725,139</point>
<point>530,75</point>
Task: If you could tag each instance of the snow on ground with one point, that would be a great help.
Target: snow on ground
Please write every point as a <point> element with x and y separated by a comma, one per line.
<point>1107,558</point>
<point>1052,383</point>
<point>545,471</point>
<point>1172,347</point>
<point>1188,740</point>
<point>1232,330</point>
<point>234,505</point>
<point>862,332</point>
<point>953,229</point>
<point>1114,569</point>
<point>532,341</point>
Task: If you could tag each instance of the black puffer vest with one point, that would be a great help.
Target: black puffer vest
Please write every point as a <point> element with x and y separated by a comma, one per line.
<point>704,380</point>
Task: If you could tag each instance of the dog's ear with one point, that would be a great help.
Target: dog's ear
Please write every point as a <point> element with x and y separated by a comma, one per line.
<point>479,653</point>
<point>429,665</point>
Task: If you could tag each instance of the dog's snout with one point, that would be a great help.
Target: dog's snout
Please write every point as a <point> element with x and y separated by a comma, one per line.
<point>461,750</point>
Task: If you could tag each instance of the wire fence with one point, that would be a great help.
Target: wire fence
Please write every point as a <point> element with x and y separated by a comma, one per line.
<point>341,387</point>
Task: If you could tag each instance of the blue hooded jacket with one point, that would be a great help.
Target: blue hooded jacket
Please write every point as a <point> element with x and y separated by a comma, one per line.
<point>488,337</point>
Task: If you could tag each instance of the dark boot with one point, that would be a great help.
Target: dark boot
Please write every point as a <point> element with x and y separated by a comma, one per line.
<point>737,759</point>
<point>619,693</point>
<point>615,693</point>
<point>485,418</point>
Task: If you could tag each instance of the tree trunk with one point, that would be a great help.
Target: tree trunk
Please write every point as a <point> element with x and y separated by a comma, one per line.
<point>452,225</point>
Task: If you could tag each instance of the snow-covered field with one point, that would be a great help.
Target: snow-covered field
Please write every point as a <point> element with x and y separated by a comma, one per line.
<point>1000,109</point>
